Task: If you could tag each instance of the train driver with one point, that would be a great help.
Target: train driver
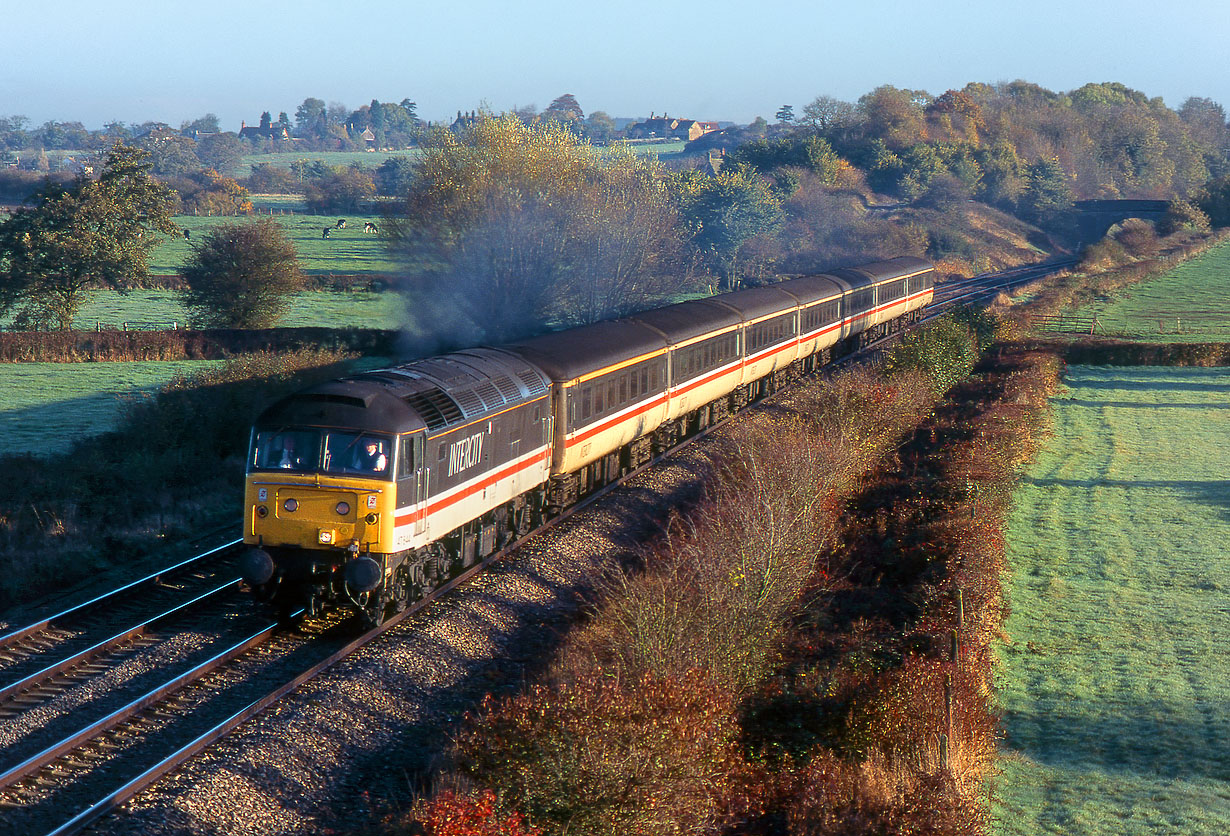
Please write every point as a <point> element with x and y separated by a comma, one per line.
<point>289,460</point>
<point>371,457</point>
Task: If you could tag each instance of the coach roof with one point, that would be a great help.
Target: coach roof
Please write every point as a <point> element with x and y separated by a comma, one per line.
<point>566,355</point>
<point>685,320</point>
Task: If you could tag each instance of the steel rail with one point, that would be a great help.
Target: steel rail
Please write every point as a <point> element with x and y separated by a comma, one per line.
<point>37,627</point>
<point>63,665</point>
<point>120,715</point>
<point>122,794</point>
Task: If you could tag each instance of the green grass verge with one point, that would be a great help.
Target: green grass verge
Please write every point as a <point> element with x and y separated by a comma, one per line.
<point>1114,679</point>
<point>324,309</point>
<point>48,406</point>
<point>1187,304</point>
<point>346,252</point>
<point>265,203</point>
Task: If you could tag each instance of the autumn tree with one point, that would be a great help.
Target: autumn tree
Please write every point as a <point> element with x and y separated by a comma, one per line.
<point>599,127</point>
<point>564,110</point>
<point>825,115</point>
<point>89,234</point>
<point>339,189</point>
<point>206,192</point>
<point>894,115</point>
<point>241,275</point>
<point>507,226</point>
<point>1047,192</point>
<point>221,152</point>
<point>1214,201</point>
<point>726,211</point>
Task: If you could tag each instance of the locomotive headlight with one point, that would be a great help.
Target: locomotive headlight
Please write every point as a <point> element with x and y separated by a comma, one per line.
<point>343,508</point>
<point>291,505</point>
<point>262,511</point>
<point>370,519</point>
<point>325,536</point>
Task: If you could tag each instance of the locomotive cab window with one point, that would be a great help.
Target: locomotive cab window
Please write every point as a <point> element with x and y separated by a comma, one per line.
<point>368,454</point>
<point>286,449</point>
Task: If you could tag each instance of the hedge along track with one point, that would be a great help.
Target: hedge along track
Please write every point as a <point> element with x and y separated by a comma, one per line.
<point>76,780</point>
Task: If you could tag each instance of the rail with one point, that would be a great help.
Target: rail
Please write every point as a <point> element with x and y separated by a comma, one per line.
<point>17,635</point>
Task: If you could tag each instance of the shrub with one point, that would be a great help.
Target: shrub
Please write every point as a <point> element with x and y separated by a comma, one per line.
<point>603,755</point>
<point>945,351</point>
<point>449,814</point>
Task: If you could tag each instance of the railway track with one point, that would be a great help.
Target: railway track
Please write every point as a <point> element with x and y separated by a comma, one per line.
<point>60,783</point>
<point>27,648</point>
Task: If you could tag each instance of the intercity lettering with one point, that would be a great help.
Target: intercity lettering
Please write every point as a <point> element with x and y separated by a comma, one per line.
<point>465,453</point>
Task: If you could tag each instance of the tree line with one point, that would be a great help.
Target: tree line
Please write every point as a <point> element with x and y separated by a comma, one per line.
<point>512,223</point>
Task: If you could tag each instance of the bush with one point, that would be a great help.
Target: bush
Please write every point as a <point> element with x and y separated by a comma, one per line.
<point>945,351</point>
<point>242,275</point>
<point>604,755</point>
<point>449,814</point>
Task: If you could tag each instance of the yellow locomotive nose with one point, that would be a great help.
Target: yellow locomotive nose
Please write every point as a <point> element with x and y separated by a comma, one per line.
<point>308,516</point>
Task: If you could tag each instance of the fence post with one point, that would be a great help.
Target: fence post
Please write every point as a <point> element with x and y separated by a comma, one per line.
<point>948,703</point>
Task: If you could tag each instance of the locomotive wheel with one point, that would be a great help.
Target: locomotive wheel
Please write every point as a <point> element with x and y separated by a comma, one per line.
<point>402,589</point>
<point>373,609</point>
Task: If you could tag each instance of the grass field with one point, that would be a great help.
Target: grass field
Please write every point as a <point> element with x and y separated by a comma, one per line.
<point>1191,303</point>
<point>328,309</point>
<point>367,159</point>
<point>47,405</point>
<point>1115,680</point>
<point>346,252</point>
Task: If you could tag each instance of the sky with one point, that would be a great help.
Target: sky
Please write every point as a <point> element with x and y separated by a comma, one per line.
<point>170,61</point>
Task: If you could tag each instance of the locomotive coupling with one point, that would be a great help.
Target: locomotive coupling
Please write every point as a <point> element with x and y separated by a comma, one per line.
<point>256,567</point>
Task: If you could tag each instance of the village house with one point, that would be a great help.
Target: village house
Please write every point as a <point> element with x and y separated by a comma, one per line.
<point>267,130</point>
<point>666,127</point>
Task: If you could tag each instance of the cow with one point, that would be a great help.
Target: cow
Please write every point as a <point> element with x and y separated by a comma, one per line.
<point>370,227</point>
<point>324,233</point>
<point>187,234</point>
<point>341,223</point>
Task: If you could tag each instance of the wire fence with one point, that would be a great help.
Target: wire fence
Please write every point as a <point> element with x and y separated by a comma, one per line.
<point>1188,324</point>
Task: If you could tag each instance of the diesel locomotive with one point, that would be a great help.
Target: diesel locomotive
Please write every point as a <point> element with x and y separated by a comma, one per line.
<point>375,489</point>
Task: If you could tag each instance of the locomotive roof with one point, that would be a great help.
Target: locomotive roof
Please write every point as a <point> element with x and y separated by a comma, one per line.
<point>434,393</point>
<point>566,355</point>
<point>683,321</point>
<point>348,403</point>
